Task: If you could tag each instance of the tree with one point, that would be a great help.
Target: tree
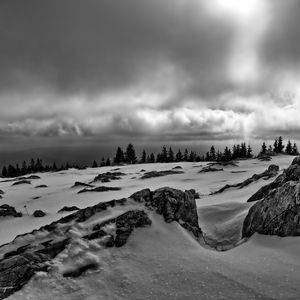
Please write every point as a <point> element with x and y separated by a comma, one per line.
<point>144,157</point>
<point>185,155</point>
<point>102,164</point>
<point>54,167</point>
<point>130,154</point>
<point>212,153</point>
<point>164,154</point>
<point>179,155</point>
<point>119,158</point>
<point>289,148</point>
<point>227,154</point>
<point>24,169</point>
<point>295,149</point>
<point>170,157</point>
<point>152,158</point>
<point>280,145</point>
<point>249,151</point>
<point>263,148</point>
<point>275,148</point>
<point>243,150</point>
<point>4,172</point>
<point>32,165</point>
<point>108,162</point>
<point>95,165</point>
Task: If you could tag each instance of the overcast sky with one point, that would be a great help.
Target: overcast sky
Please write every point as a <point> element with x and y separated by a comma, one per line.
<point>165,70</point>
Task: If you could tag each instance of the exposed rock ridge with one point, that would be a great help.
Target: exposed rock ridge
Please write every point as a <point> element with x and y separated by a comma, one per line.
<point>278,211</point>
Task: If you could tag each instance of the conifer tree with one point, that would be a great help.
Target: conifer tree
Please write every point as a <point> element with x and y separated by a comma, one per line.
<point>4,172</point>
<point>170,155</point>
<point>289,148</point>
<point>212,153</point>
<point>119,158</point>
<point>144,157</point>
<point>179,155</point>
<point>185,155</point>
<point>152,158</point>
<point>130,154</point>
<point>95,165</point>
<point>263,148</point>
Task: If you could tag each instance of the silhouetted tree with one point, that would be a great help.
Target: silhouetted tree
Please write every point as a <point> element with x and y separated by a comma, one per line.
<point>144,157</point>
<point>95,165</point>
<point>212,153</point>
<point>295,149</point>
<point>119,158</point>
<point>280,145</point>
<point>170,157</point>
<point>186,155</point>
<point>289,148</point>
<point>130,154</point>
<point>179,155</point>
<point>263,148</point>
<point>152,158</point>
<point>108,162</point>
<point>4,172</point>
<point>249,151</point>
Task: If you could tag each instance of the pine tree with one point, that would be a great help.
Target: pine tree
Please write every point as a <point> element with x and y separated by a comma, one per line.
<point>130,154</point>
<point>119,158</point>
<point>4,172</point>
<point>207,156</point>
<point>295,149</point>
<point>212,153</point>
<point>249,151</point>
<point>179,155</point>
<point>54,167</point>
<point>32,165</point>
<point>280,145</point>
<point>24,168</point>
<point>164,154</point>
<point>243,150</point>
<point>144,157</point>
<point>95,165</point>
<point>152,158</point>
<point>170,155</point>
<point>185,155</point>
<point>108,162</point>
<point>263,148</point>
<point>275,148</point>
<point>289,148</point>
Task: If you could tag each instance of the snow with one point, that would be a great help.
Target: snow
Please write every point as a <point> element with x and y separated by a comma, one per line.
<point>162,261</point>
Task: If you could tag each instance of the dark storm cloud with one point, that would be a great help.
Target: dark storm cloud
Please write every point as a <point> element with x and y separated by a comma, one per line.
<point>177,70</point>
<point>91,46</point>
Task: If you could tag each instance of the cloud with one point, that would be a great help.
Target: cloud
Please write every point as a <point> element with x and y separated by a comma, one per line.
<point>175,70</point>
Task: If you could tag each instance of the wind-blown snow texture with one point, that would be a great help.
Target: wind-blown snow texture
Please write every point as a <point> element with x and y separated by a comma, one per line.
<point>162,261</point>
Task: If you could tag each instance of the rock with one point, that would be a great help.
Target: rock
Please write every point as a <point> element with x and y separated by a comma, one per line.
<point>81,184</point>
<point>100,189</point>
<point>126,222</point>
<point>264,157</point>
<point>141,171</point>
<point>269,173</point>
<point>29,177</point>
<point>22,182</point>
<point>174,205</point>
<point>68,208</point>
<point>278,211</point>
<point>177,168</point>
<point>77,272</point>
<point>224,164</point>
<point>39,214</point>
<point>152,174</point>
<point>210,169</point>
<point>108,176</point>
<point>1,192</point>
<point>41,186</point>
<point>7,210</point>
<point>17,270</point>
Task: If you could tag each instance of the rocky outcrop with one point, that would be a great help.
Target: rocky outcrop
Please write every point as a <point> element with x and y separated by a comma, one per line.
<point>82,184</point>
<point>173,205</point>
<point>68,208</point>
<point>41,186</point>
<point>278,211</point>
<point>39,213</point>
<point>7,210</point>
<point>152,174</point>
<point>272,171</point>
<point>22,182</point>
<point>100,189</point>
<point>108,176</point>
<point>210,169</point>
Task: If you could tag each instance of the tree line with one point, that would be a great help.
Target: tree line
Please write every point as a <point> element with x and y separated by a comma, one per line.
<point>166,155</point>
<point>279,147</point>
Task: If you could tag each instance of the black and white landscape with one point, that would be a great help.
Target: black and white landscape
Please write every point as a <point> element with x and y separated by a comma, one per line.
<point>149,149</point>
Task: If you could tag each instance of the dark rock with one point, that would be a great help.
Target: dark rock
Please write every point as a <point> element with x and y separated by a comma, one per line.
<point>108,176</point>
<point>95,235</point>
<point>68,208</point>
<point>7,210</point>
<point>17,270</point>
<point>81,184</point>
<point>100,189</point>
<point>1,192</point>
<point>142,170</point>
<point>264,157</point>
<point>210,169</point>
<point>37,197</point>
<point>269,173</point>
<point>174,205</point>
<point>224,164</point>
<point>41,186</point>
<point>39,213</point>
<point>152,174</point>
<point>177,168</point>
<point>278,211</point>
<point>22,182</point>
<point>126,222</point>
<point>53,249</point>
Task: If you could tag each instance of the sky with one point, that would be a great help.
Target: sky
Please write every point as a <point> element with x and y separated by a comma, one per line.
<point>96,73</point>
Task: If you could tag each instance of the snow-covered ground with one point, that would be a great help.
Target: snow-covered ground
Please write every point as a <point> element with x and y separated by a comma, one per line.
<point>162,261</point>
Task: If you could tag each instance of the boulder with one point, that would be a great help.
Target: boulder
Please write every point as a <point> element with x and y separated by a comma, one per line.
<point>152,174</point>
<point>100,189</point>
<point>7,210</point>
<point>278,211</point>
<point>81,184</point>
<point>68,208</point>
<point>22,182</point>
<point>39,213</point>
